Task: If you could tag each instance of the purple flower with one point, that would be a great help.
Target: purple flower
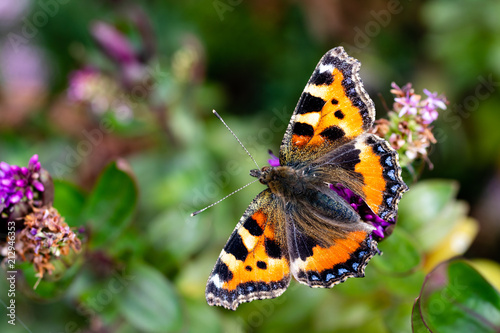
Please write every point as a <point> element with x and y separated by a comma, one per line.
<point>410,104</point>
<point>274,161</point>
<point>364,211</point>
<point>18,183</point>
<point>403,91</point>
<point>431,104</point>
<point>429,115</point>
<point>395,88</point>
<point>113,42</point>
<point>433,101</point>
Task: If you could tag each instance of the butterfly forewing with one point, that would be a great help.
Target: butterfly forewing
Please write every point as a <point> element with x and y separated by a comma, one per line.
<point>333,109</point>
<point>254,264</point>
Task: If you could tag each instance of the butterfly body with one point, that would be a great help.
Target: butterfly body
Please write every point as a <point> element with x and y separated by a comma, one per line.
<point>294,188</point>
<point>321,214</point>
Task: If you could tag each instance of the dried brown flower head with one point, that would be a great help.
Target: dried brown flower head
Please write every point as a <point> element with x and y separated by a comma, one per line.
<point>45,237</point>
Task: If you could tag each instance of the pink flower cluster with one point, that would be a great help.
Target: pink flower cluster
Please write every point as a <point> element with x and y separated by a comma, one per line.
<point>408,128</point>
<point>409,103</point>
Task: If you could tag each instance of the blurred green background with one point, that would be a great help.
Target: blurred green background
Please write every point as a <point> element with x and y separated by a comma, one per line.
<point>83,84</point>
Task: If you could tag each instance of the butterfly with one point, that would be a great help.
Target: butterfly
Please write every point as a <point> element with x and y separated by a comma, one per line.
<point>334,193</point>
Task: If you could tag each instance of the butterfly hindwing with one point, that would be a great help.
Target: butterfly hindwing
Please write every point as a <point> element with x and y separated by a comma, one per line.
<point>371,170</point>
<point>318,265</point>
<point>383,185</point>
<point>254,263</point>
<point>333,109</point>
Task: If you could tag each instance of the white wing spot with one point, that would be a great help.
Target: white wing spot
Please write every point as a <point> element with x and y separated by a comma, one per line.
<point>311,118</point>
<point>326,68</point>
<point>216,281</point>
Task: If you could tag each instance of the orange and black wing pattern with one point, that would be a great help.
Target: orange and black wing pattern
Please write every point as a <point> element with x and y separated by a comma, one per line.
<point>333,109</point>
<point>379,169</point>
<point>325,266</point>
<point>254,264</point>
<point>372,166</point>
<point>328,127</point>
<point>314,234</point>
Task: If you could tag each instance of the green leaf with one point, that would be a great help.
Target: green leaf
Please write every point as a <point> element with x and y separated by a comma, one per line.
<point>400,253</point>
<point>52,285</point>
<point>424,202</point>
<point>202,318</point>
<point>395,317</point>
<point>69,201</point>
<point>456,298</point>
<point>404,285</point>
<point>431,234</point>
<point>111,204</point>
<point>180,235</point>
<point>98,296</point>
<point>417,323</point>
<point>429,212</point>
<point>149,302</point>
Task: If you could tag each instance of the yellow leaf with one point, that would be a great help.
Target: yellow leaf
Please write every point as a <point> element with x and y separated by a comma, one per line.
<point>454,244</point>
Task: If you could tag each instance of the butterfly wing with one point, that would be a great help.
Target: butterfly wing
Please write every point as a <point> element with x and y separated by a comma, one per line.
<point>319,266</point>
<point>327,240</point>
<point>328,127</point>
<point>254,263</point>
<point>319,261</point>
<point>368,166</point>
<point>333,109</point>
<point>327,138</point>
<point>383,185</point>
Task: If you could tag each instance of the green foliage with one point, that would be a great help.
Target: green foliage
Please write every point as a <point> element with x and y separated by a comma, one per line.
<point>110,205</point>
<point>456,298</point>
<point>54,286</point>
<point>149,302</point>
<point>430,210</point>
<point>401,253</point>
<point>69,200</point>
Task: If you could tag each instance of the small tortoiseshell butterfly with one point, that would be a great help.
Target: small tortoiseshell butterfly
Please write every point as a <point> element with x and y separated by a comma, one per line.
<point>322,212</point>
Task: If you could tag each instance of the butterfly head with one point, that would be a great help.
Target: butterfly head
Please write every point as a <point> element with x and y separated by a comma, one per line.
<point>265,175</point>
<point>279,179</point>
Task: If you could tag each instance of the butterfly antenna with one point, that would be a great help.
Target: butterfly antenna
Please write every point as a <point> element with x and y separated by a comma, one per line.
<point>227,196</point>
<point>241,144</point>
